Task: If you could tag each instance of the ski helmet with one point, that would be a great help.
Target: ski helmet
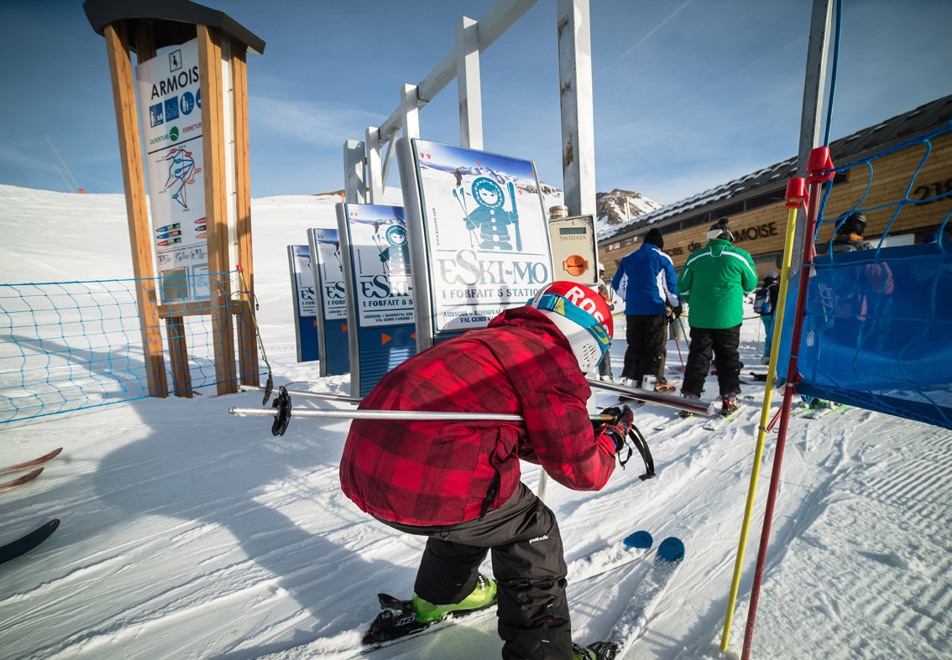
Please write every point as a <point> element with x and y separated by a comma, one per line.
<point>581,315</point>
<point>771,275</point>
<point>855,223</point>
<point>721,230</point>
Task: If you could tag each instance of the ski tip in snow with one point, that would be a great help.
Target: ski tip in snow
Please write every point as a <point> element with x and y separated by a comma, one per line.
<point>640,539</point>
<point>26,543</point>
<point>671,549</point>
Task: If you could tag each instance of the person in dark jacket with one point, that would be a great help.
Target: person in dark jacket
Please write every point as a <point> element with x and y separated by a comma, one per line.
<point>849,235</point>
<point>772,286</point>
<point>713,282</point>
<point>458,482</point>
<point>646,280</point>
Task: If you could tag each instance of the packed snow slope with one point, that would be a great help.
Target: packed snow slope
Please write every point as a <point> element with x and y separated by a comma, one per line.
<point>188,532</point>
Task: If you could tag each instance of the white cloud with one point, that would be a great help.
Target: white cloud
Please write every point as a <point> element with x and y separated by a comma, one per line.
<point>316,123</point>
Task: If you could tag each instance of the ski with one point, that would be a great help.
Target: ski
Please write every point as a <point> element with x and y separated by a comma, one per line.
<point>671,422</point>
<point>24,544</point>
<point>643,602</point>
<point>632,548</point>
<point>717,421</point>
<point>628,401</point>
<point>817,412</point>
<point>19,481</point>
<point>397,623</point>
<point>36,461</point>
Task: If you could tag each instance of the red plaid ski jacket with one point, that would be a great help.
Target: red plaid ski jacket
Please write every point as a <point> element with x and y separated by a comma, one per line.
<point>445,472</point>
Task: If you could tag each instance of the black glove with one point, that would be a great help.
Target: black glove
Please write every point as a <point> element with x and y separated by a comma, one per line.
<point>676,311</point>
<point>618,426</point>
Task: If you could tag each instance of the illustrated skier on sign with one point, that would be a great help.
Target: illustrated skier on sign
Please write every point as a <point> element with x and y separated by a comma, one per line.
<point>490,219</point>
<point>458,482</point>
<point>392,248</point>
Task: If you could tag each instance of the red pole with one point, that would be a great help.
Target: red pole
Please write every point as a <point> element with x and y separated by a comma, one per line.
<point>818,168</point>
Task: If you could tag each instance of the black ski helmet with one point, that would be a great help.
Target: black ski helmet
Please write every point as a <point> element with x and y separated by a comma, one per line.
<point>855,223</point>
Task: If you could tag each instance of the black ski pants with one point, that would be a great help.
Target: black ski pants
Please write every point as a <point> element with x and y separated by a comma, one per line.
<point>647,337</point>
<point>528,565</point>
<point>722,344</point>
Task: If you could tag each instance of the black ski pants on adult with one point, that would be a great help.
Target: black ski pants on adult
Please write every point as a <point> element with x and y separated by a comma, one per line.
<point>723,345</point>
<point>646,336</point>
<point>528,565</point>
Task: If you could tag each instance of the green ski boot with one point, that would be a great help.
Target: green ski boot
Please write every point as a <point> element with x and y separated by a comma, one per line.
<point>483,595</point>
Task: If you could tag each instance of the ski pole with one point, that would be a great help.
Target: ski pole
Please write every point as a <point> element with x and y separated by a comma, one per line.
<point>282,413</point>
<point>698,407</point>
<point>678,344</point>
<point>681,325</point>
<point>269,386</point>
<point>423,415</point>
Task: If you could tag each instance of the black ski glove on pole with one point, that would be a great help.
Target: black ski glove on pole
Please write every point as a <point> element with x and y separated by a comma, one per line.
<point>617,428</point>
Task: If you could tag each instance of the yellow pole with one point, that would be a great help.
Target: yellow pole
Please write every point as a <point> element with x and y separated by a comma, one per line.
<point>794,201</point>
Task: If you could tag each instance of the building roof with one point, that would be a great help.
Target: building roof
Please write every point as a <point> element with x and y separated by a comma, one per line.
<point>862,143</point>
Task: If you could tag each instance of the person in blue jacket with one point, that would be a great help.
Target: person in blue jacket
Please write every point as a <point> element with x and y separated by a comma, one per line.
<point>646,280</point>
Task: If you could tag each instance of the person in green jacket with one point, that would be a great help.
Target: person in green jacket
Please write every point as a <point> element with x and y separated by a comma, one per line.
<point>713,281</point>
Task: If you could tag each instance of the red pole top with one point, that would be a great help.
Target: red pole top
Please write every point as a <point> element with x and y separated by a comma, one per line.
<point>796,192</point>
<point>819,165</point>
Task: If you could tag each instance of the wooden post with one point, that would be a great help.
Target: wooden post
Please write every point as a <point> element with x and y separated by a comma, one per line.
<point>216,206</point>
<point>127,120</point>
<point>247,331</point>
<point>178,356</point>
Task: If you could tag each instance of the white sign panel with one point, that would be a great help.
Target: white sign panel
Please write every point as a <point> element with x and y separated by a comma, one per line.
<point>170,113</point>
<point>381,261</point>
<point>304,281</point>
<point>486,239</point>
<point>333,298</point>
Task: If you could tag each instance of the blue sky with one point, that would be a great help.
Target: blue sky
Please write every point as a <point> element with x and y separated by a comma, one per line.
<point>688,94</point>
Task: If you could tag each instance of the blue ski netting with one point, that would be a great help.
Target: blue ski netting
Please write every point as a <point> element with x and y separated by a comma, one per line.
<point>877,328</point>
<point>68,346</point>
<point>877,331</point>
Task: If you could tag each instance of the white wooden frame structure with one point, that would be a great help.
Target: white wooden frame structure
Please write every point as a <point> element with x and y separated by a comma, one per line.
<point>367,166</point>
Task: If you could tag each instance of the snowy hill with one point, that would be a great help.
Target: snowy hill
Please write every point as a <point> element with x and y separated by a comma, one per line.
<point>188,532</point>
<point>620,206</point>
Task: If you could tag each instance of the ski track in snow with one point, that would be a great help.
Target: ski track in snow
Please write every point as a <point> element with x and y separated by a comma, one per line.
<point>190,533</point>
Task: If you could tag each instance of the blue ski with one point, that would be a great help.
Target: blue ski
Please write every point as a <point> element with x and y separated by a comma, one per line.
<point>643,602</point>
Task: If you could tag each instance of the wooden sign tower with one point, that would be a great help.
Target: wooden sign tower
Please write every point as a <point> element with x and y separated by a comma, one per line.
<point>143,27</point>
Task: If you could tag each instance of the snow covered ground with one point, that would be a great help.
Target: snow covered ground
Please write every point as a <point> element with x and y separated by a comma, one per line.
<point>191,533</point>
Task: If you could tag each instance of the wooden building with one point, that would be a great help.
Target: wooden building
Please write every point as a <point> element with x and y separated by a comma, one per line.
<point>754,203</point>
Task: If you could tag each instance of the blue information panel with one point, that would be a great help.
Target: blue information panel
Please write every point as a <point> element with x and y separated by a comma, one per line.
<point>302,296</point>
<point>331,303</point>
<point>380,315</point>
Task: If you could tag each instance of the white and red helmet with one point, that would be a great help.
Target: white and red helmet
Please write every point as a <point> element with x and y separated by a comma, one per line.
<point>582,315</point>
